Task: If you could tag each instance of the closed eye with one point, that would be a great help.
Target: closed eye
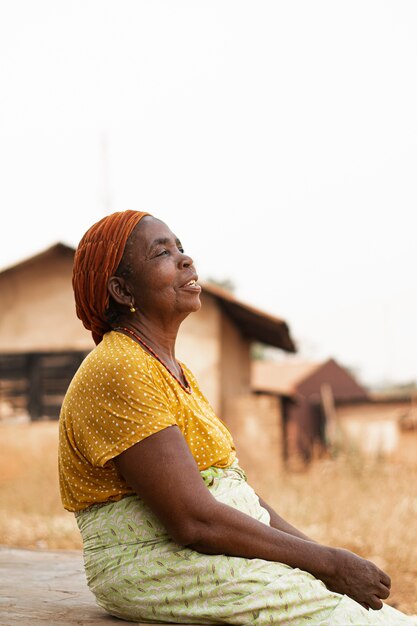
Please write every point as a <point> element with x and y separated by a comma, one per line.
<point>166,251</point>
<point>168,246</point>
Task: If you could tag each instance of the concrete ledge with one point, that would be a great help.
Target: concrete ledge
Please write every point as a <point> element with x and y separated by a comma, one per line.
<point>44,588</point>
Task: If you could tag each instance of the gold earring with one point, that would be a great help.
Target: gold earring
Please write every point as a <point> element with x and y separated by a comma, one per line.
<point>132,308</point>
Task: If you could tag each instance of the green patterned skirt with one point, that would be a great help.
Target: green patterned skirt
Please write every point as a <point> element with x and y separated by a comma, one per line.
<point>137,573</point>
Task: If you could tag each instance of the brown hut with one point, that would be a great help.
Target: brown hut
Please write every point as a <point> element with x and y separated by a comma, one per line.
<point>309,393</point>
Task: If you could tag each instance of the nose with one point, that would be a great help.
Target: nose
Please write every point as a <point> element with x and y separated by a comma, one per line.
<point>185,260</point>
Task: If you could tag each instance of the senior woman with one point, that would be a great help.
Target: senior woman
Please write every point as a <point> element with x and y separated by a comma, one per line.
<point>172,532</point>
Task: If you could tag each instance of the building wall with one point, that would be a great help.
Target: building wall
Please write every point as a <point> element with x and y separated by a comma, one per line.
<point>235,363</point>
<point>304,431</point>
<point>38,310</point>
<point>255,422</point>
<point>198,346</point>
<point>372,428</point>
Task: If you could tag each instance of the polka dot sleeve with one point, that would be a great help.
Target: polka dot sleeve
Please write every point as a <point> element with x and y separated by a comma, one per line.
<point>128,403</point>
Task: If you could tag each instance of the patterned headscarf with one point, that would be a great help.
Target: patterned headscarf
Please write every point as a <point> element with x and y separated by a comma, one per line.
<point>96,259</point>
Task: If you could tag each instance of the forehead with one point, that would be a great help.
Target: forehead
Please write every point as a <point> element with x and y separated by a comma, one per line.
<point>149,231</point>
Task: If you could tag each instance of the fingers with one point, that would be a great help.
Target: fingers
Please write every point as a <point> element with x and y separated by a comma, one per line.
<point>384,592</point>
<point>375,603</point>
<point>372,602</point>
<point>385,579</point>
<point>373,599</point>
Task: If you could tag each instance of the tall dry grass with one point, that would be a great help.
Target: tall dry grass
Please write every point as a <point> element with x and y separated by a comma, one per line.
<point>31,513</point>
<point>369,507</point>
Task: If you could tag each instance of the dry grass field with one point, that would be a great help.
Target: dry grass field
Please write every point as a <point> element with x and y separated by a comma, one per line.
<point>368,507</point>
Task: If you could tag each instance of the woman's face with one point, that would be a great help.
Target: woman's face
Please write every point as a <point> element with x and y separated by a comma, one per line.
<point>164,281</point>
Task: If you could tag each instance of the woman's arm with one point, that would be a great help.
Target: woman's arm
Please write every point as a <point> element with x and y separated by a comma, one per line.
<point>164,474</point>
<point>280,524</point>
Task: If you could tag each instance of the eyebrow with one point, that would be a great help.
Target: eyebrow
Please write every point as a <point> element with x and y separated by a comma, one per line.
<point>164,241</point>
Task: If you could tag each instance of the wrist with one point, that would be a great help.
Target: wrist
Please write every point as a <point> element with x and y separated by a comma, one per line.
<point>326,564</point>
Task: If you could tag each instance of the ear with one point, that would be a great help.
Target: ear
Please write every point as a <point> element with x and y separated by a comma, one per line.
<point>119,290</point>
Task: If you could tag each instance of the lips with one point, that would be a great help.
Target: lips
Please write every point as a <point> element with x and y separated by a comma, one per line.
<point>191,284</point>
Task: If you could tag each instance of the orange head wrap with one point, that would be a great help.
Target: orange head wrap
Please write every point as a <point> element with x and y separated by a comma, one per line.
<point>96,259</point>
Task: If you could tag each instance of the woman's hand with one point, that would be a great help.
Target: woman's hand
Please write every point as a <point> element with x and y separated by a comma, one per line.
<point>359,579</point>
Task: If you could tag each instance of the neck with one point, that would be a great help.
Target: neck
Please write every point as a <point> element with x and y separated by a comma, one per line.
<point>160,338</point>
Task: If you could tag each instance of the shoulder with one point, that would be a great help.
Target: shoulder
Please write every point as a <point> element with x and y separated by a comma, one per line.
<point>115,364</point>
<point>117,353</point>
<point>117,377</point>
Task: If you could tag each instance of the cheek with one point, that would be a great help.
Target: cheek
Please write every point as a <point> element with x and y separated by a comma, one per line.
<point>157,288</point>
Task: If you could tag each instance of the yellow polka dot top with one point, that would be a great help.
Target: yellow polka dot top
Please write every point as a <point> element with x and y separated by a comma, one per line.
<point>119,396</point>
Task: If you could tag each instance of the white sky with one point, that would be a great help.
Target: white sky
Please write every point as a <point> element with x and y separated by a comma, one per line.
<point>277,139</point>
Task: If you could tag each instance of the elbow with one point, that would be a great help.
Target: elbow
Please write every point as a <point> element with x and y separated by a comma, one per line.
<point>186,532</point>
<point>195,530</point>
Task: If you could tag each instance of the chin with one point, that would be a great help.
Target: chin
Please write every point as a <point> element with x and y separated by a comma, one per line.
<point>194,306</point>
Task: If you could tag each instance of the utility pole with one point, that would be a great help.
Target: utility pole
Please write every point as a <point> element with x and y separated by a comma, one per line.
<point>106,200</point>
